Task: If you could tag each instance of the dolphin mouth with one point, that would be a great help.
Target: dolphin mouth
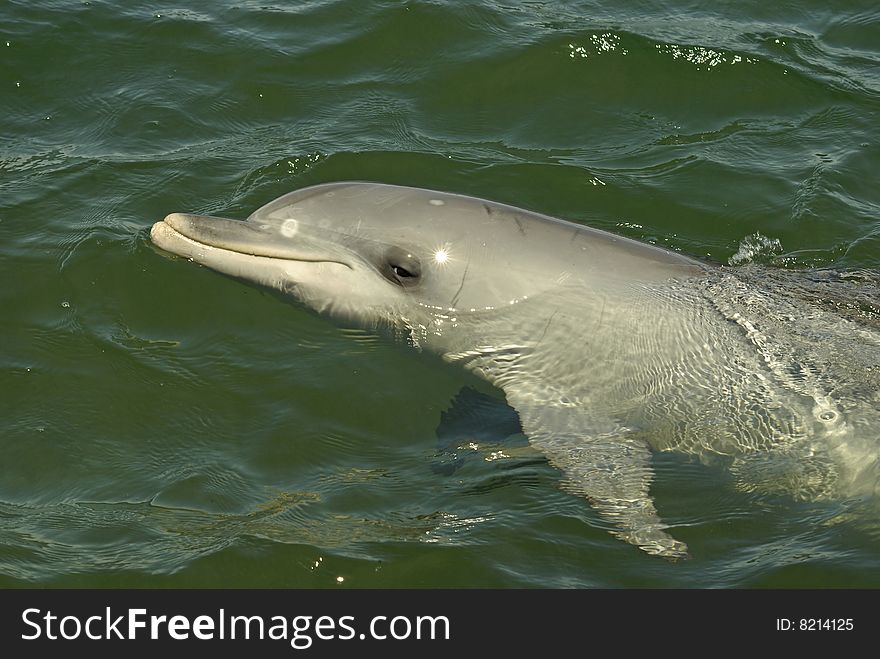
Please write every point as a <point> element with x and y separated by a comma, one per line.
<point>179,233</point>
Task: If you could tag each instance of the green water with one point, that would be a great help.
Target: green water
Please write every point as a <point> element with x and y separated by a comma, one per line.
<point>165,426</point>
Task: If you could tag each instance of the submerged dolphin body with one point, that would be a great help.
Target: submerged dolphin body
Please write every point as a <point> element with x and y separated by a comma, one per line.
<point>606,347</point>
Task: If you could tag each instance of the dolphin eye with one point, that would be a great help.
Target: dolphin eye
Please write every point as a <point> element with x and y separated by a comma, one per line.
<point>401,267</point>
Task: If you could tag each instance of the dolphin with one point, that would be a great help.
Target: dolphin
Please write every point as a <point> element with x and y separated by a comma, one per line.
<point>606,347</point>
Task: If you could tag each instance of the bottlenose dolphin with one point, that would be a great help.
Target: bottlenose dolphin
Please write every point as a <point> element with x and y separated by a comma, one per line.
<point>606,347</point>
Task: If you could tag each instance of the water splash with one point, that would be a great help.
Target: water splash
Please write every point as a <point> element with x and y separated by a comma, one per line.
<point>755,248</point>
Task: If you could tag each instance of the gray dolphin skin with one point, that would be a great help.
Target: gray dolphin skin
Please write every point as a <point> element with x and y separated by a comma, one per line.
<point>607,348</point>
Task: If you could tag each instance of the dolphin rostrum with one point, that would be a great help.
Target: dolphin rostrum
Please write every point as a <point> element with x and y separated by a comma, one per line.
<point>606,347</point>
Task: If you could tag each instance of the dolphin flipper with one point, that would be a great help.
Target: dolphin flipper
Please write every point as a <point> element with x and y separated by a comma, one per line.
<point>609,466</point>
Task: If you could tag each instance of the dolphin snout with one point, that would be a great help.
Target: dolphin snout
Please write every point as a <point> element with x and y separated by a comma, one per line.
<point>177,221</point>
<point>243,237</point>
<point>195,226</point>
<point>161,233</point>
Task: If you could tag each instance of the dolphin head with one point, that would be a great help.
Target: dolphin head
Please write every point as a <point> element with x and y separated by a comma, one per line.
<point>383,255</point>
